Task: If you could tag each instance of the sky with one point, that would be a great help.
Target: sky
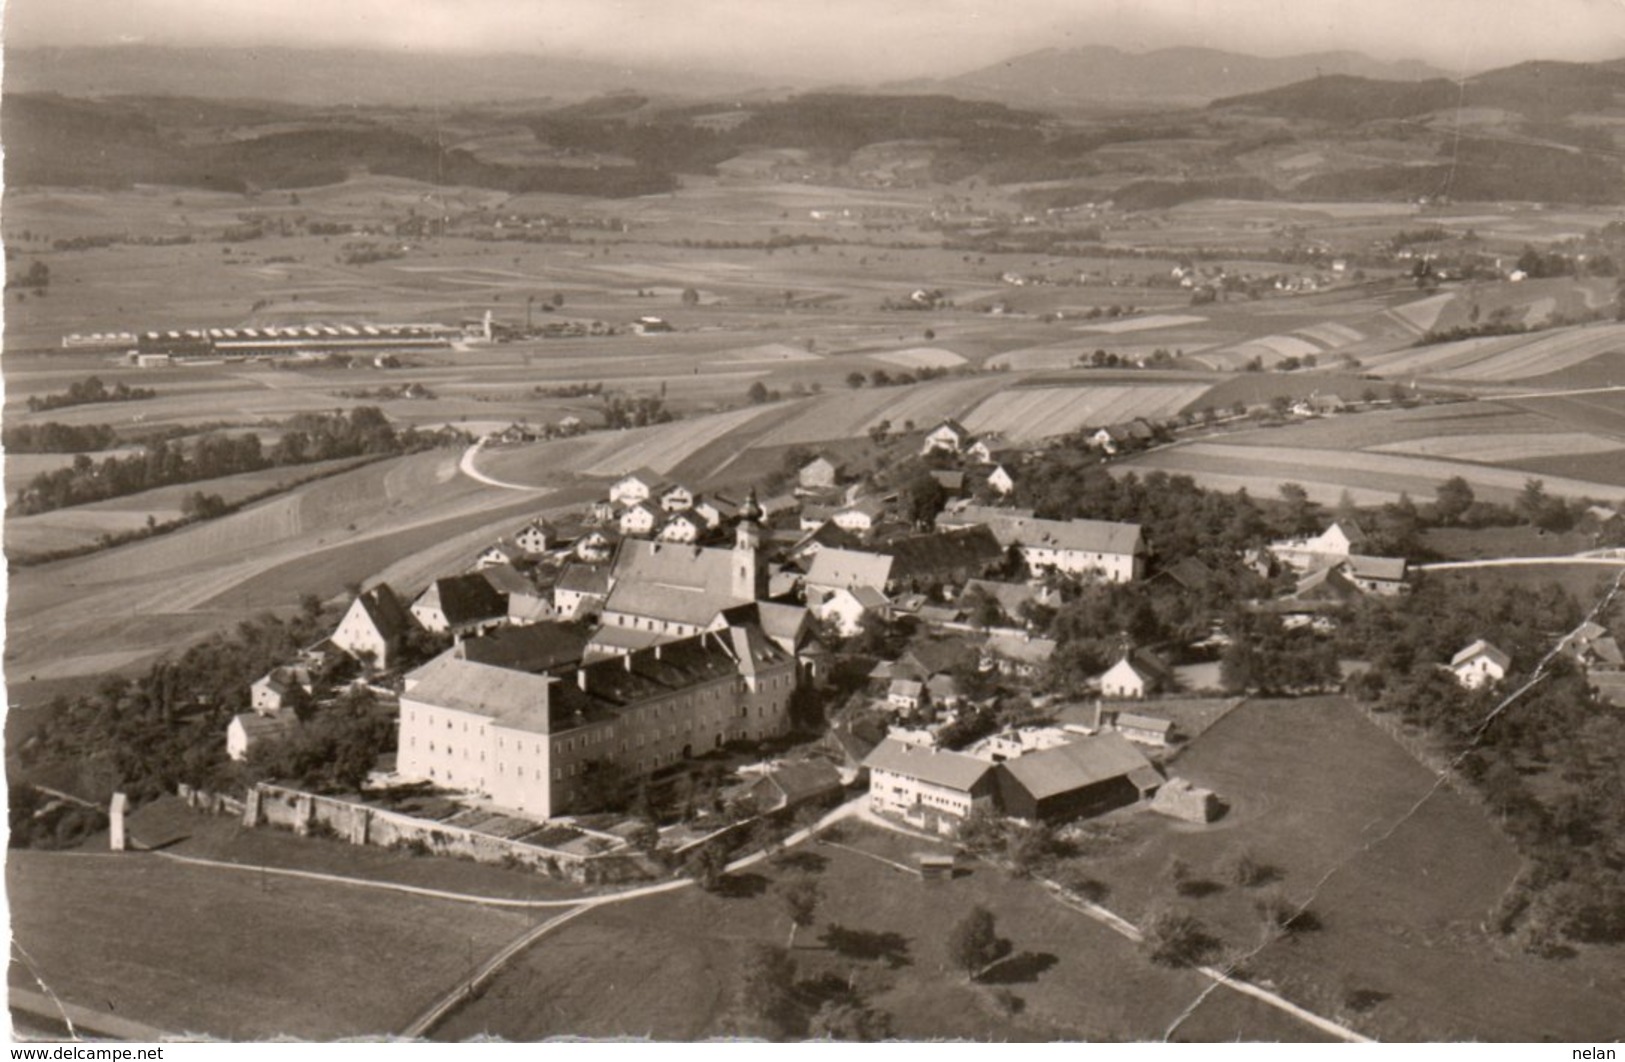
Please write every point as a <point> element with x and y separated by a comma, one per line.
<point>861,40</point>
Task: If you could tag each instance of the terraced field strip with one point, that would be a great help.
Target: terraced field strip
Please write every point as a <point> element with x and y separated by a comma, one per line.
<point>920,358</point>
<point>1333,469</point>
<point>1501,449</point>
<point>1545,354</point>
<point>1144,324</point>
<point>1421,315</point>
<point>663,447</point>
<point>1027,413</point>
<point>846,416</point>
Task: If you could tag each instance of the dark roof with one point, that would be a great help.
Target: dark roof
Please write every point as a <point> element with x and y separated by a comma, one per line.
<point>1075,765</point>
<point>506,579</point>
<point>942,552</point>
<point>385,610</point>
<point>663,669</point>
<point>535,648</point>
<point>1188,572</point>
<point>805,780</point>
<point>584,578</point>
<point>468,599</point>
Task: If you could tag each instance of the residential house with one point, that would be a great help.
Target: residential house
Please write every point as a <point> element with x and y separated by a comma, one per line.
<point>951,480</point>
<point>1115,552</point>
<point>676,498</point>
<point>536,538</point>
<point>1020,655</point>
<point>843,569</point>
<point>250,729</point>
<point>1376,575</point>
<point>942,558</point>
<point>789,785</point>
<point>460,604</point>
<point>847,606</point>
<point>814,515</point>
<point>861,516</point>
<point>1144,729</point>
<point>906,695</point>
<point>635,487</point>
<point>1331,546</point>
<point>503,551</point>
<point>682,527</point>
<point>580,589</point>
<point>980,452</point>
<point>640,520</point>
<point>527,742</point>
<point>594,547</point>
<point>819,474</point>
<point>1136,675</point>
<point>374,627</point>
<point>1187,573</point>
<point>950,436</point>
<point>802,551</point>
<point>280,690</point>
<point>928,787</point>
<point>1088,776</point>
<point>1000,481</point>
<point>1480,664</point>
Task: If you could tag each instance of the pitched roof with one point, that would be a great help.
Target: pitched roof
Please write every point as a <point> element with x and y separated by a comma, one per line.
<point>1075,765</point>
<point>262,727</point>
<point>1009,596</point>
<point>849,567</point>
<point>1189,572</point>
<point>645,475</point>
<point>1020,648</point>
<point>951,770</point>
<point>1020,526</point>
<point>677,665</point>
<point>953,425</point>
<point>1480,647</point>
<point>506,579</point>
<point>672,581</point>
<point>1144,722</point>
<point>388,615</point>
<point>465,598</point>
<point>534,648</point>
<point>514,699</point>
<point>942,552</point>
<point>584,579</point>
<point>1390,569</point>
<point>805,780</point>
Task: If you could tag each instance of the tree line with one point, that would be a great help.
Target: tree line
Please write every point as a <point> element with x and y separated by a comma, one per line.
<point>87,392</point>
<point>306,438</point>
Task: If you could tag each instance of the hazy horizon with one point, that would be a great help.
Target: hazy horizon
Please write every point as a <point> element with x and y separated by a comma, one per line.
<point>843,39</point>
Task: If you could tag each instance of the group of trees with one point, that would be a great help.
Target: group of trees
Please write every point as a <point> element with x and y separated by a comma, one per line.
<point>54,438</point>
<point>333,750</point>
<point>635,411</point>
<point>87,391</point>
<point>309,437</point>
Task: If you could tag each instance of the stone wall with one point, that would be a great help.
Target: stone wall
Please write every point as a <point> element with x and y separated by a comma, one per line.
<point>306,813</point>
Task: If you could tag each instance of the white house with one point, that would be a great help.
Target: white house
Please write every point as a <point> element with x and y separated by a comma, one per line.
<point>860,516</point>
<point>846,607</point>
<point>1480,664</point>
<point>373,626</point>
<point>536,537</point>
<point>949,437</point>
<point>1133,677</point>
<point>1144,729</point>
<point>1000,481</point>
<point>1331,546</point>
<point>640,520</point>
<point>681,527</point>
<point>676,498</point>
<point>818,474</point>
<point>278,689</point>
<point>905,694</point>
<point>927,786</point>
<point>634,487</point>
<point>249,729</point>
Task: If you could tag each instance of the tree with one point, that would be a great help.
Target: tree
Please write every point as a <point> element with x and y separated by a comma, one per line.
<point>973,942</point>
<point>765,1005</point>
<point>757,393</point>
<point>855,380</point>
<point>801,904</point>
<point>1173,937</point>
<point>922,499</point>
<point>1452,499</point>
<point>690,297</point>
<point>849,1020</point>
<point>707,866</point>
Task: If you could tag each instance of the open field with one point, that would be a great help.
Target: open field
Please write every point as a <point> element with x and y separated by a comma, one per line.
<point>1027,413</point>
<point>666,966</point>
<point>1499,359</point>
<point>226,954</point>
<point>1323,795</point>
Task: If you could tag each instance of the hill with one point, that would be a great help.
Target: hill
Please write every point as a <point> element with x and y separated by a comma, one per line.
<point>1540,90</point>
<point>1165,76</point>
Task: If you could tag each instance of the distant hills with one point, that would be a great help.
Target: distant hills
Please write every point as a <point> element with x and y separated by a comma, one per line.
<point>1074,76</point>
<point>1537,90</point>
<point>1167,76</point>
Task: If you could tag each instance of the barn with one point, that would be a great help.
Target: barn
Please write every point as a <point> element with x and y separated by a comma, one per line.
<point>1080,778</point>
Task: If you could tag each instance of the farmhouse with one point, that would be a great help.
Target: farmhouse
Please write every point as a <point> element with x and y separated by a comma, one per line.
<point>1331,546</point>
<point>927,786</point>
<point>460,603</point>
<point>373,627</point>
<point>526,741</point>
<point>636,486</point>
<point>250,729</point>
<point>1376,575</point>
<point>279,690</point>
<point>1018,654</point>
<point>682,527</point>
<point>818,474</point>
<point>1137,675</point>
<point>581,588</point>
<point>846,607</point>
<point>1480,664</point>
<point>862,515</point>
<point>640,520</point>
<point>536,538</point>
<point>1000,480</point>
<point>789,785</point>
<point>1115,552</point>
<point>1144,729</point>
<point>905,694</point>
<point>676,498</point>
<point>843,569</point>
<point>1088,776</point>
<point>950,436</point>
<point>501,552</point>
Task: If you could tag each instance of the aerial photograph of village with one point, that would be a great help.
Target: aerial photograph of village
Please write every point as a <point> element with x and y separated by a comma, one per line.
<point>928,520</point>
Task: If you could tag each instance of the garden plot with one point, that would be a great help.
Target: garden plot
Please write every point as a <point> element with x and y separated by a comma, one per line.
<point>920,358</point>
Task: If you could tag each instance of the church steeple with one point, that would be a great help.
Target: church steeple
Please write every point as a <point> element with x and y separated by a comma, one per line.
<point>747,569</point>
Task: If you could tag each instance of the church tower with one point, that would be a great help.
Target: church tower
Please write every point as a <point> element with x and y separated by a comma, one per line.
<point>747,569</point>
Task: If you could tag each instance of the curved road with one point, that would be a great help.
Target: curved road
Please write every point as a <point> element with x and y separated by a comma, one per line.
<point>465,465</point>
